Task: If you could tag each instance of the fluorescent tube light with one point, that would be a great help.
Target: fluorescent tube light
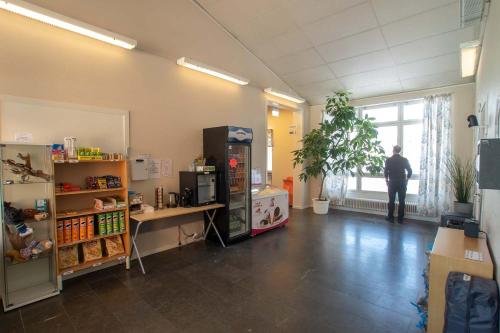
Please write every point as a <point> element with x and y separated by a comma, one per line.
<point>198,66</point>
<point>469,53</point>
<point>46,16</point>
<point>281,94</point>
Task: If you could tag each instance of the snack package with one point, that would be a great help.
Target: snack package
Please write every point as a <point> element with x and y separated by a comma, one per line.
<point>60,231</point>
<point>76,229</point>
<point>68,256</point>
<point>92,250</point>
<point>90,226</point>
<point>67,230</point>
<point>114,245</point>
<point>101,220</point>
<point>121,219</point>
<point>109,223</point>
<point>116,223</point>
<point>83,227</point>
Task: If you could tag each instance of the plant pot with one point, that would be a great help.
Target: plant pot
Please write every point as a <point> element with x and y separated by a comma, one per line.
<point>463,208</point>
<point>321,206</point>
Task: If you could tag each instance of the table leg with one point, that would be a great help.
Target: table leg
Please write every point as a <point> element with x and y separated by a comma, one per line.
<point>136,249</point>
<point>210,225</point>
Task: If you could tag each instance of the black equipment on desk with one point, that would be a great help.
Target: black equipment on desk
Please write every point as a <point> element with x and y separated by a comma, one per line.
<point>203,186</point>
<point>471,228</point>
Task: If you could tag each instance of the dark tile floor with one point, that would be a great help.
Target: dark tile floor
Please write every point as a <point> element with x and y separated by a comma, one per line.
<point>345,272</point>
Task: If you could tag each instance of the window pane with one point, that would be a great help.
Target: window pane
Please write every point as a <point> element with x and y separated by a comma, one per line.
<point>388,113</point>
<point>351,184</point>
<point>412,187</point>
<point>413,111</point>
<point>388,136</point>
<point>412,144</point>
<point>373,184</point>
<point>269,158</point>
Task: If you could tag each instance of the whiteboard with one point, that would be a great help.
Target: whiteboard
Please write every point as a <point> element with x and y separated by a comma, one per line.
<point>49,122</point>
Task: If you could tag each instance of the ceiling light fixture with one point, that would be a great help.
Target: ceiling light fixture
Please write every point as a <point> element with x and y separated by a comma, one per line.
<point>275,112</point>
<point>469,53</point>
<point>49,17</point>
<point>198,66</point>
<point>293,98</point>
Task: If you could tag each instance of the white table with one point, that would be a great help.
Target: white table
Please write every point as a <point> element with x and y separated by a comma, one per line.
<point>160,214</point>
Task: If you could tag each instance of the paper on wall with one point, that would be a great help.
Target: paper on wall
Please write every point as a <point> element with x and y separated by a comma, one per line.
<point>167,168</point>
<point>23,137</point>
<point>154,168</point>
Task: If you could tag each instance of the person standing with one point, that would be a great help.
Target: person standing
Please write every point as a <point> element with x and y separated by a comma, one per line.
<point>397,171</point>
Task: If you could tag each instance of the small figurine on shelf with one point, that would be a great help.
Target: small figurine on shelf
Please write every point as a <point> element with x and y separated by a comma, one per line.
<point>16,217</point>
<point>25,170</point>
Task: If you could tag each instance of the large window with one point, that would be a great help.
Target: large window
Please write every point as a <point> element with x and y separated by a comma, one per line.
<point>397,124</point>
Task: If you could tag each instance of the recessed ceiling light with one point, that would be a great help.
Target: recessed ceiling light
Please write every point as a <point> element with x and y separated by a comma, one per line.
<point>46,16</point>
<point>201,67</point>
<point>293,98</point>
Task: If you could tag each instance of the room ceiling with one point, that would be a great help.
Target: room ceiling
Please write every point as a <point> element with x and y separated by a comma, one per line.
<point>370,48</point>
<point>170,29</point>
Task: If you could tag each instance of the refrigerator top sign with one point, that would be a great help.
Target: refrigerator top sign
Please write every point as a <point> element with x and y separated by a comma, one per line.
<point>239,134</point>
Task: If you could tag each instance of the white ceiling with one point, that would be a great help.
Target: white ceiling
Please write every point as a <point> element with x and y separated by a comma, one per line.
<point>370,48</point>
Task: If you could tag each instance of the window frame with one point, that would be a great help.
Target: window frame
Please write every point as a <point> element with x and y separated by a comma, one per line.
<point>399,123</point>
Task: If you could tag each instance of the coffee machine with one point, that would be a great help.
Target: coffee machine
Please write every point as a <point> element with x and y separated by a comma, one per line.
<point>202,186</point>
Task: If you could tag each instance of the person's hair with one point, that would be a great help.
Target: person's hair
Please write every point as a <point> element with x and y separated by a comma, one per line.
<point>396,149</point>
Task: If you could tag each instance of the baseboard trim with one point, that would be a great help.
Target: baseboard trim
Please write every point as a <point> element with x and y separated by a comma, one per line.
<point>375,212</point>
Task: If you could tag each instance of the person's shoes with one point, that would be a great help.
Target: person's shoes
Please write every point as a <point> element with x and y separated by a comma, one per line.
<point>400,221</point>
<point>389,219</point>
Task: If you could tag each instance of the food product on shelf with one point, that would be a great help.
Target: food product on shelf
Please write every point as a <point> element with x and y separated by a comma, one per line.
<point>75,232</point>
<point>90,226</point>
<point>116,223</point>
<point>114,245</point>
<point>42,205</point>
<point>121,219</point>
<point>109,223</point>
<point>68,256</point>
<point>83,227</point>
<point>67,230</point>
<point>92,250</point>
<point>101,221</point>
<point>57,152</point>
<point>60,231</point>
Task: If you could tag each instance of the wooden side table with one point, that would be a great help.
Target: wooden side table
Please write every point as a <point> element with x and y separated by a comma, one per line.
<point>448,255</point>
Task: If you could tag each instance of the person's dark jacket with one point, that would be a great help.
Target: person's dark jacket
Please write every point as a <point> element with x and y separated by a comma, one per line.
<point>395,167</point>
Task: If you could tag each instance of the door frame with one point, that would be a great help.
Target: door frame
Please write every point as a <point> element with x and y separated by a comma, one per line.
<point>300,189</point>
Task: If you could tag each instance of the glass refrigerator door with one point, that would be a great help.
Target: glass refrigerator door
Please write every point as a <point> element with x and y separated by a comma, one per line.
<point>238,178</point>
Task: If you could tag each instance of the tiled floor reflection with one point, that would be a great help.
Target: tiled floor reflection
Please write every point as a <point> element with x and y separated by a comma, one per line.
<point>345,272</point>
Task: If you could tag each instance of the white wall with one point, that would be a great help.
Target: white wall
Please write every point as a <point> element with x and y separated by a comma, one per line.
<point>169,105</point>
<point>488,88</point>
<point>463,102</point>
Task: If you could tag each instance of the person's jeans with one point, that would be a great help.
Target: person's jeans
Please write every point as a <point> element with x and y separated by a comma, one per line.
<point>399,187</point>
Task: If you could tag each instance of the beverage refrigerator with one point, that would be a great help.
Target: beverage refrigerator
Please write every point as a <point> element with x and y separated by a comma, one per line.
<point>229,149</point>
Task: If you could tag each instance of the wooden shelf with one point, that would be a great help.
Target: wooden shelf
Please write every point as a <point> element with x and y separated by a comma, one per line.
<point>93,263</point>
<point>88,161</point>
<point>90,191</point>
<point>96,237</point>
<point>88,211</point>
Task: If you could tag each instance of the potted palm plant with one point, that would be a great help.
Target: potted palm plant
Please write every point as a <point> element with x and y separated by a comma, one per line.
<point>462,177</point>
<point>342,144</point>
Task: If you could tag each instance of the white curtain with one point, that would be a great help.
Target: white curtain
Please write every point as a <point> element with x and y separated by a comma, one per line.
<point>336,188</point>
<point>434,192</point>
